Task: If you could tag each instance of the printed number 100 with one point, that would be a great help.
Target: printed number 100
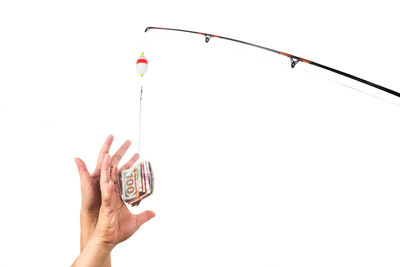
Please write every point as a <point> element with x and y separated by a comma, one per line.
<point>129,184</point>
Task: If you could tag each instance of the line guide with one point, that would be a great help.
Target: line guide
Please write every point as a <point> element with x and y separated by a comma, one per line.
<point>293,59</point>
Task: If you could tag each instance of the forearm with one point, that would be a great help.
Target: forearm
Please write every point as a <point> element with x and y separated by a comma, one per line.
<point>88,224</point>
<point>95,254</point>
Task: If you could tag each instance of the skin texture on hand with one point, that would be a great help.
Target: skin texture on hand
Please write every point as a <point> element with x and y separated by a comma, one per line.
<point>116,223</point>
<point>91,192</point>
<point>90,186</point>
<point>95,254</point>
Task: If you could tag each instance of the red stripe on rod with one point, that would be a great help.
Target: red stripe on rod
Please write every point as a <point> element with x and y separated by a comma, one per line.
<point>305,60</point>
<point>285,54</point>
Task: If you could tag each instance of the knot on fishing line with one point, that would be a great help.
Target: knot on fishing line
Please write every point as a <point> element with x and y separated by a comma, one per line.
<point>294,61</point>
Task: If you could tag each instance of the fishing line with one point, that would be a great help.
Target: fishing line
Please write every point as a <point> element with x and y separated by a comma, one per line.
<point>349,86</point>
<point>141,72</point>
<point>137,182</point>
<point>294,60</point>
<point>141,67</point>
<point>144,43</point>
<point>140,120</point>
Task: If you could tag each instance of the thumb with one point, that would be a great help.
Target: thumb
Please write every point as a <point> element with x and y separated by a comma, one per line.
<point>144,217</point>
<point>82,169</point>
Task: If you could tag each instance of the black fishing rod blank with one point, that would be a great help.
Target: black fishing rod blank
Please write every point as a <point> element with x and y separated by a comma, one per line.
<point>293,59</point>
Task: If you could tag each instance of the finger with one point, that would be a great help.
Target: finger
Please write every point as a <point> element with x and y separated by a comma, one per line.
<point>105,182</point>
<point>114,178</point>
<point>144,217</point>
<point>103,152</point>
<point>130,162</point>
<point>82,169</point>
<point>114,174</point>
<point>120,153</point>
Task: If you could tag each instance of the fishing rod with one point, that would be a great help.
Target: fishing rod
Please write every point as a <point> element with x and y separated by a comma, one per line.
<point>293,59</point>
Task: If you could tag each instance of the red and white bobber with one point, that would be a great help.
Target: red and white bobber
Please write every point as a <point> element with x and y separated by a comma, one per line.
<point>141,65</point>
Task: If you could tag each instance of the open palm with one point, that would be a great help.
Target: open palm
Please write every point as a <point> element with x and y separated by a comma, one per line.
<point>115,223</point>
<point>91,196</point>
<point>90,187</point>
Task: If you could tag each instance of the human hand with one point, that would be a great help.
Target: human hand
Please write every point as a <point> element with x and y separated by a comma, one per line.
<point>115,222</point>
<point>90,187</point>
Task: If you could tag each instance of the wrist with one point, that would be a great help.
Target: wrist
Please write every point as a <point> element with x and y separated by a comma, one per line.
<point>102,245</point>
<point>89,217</point>
<point>88,225</point>
<point>96,253</point>
<point>92,209</point>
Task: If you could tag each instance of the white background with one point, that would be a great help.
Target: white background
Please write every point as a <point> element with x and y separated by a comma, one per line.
<point>256,164</point>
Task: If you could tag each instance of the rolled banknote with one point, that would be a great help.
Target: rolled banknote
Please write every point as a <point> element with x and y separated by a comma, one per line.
<point>136,183</point>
